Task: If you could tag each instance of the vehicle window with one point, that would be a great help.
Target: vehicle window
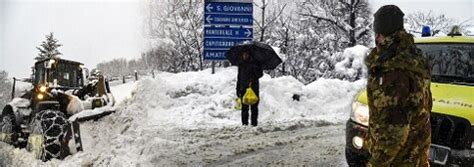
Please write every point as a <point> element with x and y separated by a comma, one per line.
<point>66,76</point>
<point>39,73</point>
<point>78,75</point>
<point>450,62</point>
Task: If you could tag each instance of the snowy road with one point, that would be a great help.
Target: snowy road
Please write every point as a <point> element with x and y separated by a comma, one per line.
<point>290,143</point>
<point>295,144</point>
<point>188,119</point>
<point>300,143</point>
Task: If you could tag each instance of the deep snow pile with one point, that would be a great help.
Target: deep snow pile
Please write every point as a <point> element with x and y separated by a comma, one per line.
<point>142,130</point>
<point>201,99</point>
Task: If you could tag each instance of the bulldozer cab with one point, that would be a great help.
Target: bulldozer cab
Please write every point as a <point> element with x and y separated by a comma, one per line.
<point>59,73</point>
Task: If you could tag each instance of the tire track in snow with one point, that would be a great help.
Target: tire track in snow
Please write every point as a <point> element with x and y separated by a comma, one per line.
<point>300,143</point>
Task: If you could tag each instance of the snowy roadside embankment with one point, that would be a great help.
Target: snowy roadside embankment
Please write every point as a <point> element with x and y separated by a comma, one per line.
<point>189,119</point>
<point>151,128</point>
<point>152,121</point>
<point>200,99</point>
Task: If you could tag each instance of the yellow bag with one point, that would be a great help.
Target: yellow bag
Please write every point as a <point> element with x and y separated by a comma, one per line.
<point>250,98</point>
<point>238,105</point>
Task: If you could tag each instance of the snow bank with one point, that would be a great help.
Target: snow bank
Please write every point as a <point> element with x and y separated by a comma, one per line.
<point>200,99</point>
<point>154,116</point>
<point>149,128</point>
<point>10,156</point>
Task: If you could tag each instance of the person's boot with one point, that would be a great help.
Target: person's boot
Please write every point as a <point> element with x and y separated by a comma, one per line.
<point>254,116</point>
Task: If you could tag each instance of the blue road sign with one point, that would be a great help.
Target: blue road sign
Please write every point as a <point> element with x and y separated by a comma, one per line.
<point>226,32</point>
<point>222,43</point>
<point>228,7</point>
<point>218,40</point>
<point>226,23</point>
<point>228,19</point>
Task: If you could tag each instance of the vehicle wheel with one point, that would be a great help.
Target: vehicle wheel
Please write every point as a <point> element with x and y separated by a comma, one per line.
<point>355,160</point>
<point>6,125</point>
<point>46,140</point>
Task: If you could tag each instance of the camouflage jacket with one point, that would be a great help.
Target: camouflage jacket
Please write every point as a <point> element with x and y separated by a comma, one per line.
<point>399,99</point>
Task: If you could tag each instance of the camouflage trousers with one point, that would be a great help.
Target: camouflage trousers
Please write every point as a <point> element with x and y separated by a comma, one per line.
<point>399,145</point>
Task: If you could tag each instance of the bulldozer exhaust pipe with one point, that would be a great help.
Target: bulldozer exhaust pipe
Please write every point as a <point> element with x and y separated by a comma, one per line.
<point>13,90</point>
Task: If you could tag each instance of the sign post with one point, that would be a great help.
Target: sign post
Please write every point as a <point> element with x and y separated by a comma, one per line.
<point>226,23</point>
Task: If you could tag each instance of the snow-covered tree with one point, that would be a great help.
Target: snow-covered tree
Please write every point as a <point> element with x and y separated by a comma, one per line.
<point>438,23</point>
<point>283,37</point>
<point>5,88</point>
<point>310,34</point>
<point>176,26</point>
<point>300,48</point>
<point>268,12</point>
<point>349,20</point>
<point>313,36</point>
<point>48,48</point>
<point>115,68</point>
<point>161,58</point>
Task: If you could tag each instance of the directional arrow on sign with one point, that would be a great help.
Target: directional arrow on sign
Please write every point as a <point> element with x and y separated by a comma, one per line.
<point>248,33</point>
<point>209,19</point>
<point>209,7</point>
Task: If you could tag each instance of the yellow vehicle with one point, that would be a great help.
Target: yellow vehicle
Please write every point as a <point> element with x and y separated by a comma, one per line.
<point>452,116</point>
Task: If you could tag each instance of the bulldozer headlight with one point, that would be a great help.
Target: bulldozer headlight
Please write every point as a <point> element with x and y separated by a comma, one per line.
<point>40,96</point>
<point>357,142</point>
<point>360,113</point>
<point>42,89</point>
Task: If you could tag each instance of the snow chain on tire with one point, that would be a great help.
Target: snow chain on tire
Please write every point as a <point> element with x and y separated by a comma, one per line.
<point>48,131</point>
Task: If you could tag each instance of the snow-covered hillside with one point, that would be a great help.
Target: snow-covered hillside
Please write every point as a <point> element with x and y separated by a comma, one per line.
<point>189,119</point>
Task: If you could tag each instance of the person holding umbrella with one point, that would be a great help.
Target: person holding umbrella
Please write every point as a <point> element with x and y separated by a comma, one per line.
<point>251,58</point>
<point>247,77</point>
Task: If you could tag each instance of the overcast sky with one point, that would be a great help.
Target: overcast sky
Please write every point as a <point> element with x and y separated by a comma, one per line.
<point>90,31</point>
<point>461,10</point>
<point>94,31</point>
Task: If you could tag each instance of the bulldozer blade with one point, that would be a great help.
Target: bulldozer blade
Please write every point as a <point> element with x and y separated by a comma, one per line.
<point>77,135</point>
<point>75,125</point>
<point>94,117</point>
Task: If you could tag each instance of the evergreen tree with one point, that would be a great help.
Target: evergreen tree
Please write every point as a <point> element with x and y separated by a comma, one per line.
<point>48,48</point>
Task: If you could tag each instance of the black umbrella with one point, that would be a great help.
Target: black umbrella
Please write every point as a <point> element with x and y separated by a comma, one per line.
<point>262,53</point>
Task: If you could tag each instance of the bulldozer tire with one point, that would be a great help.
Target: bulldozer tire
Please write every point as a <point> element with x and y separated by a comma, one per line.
<point>48,134</point>
<point>6,125</point>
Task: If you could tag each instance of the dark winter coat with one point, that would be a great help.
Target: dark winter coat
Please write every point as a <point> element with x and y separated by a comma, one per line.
<point>248,73</point>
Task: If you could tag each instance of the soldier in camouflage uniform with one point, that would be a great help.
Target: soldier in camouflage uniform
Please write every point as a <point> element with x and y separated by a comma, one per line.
<point>399,95</point>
